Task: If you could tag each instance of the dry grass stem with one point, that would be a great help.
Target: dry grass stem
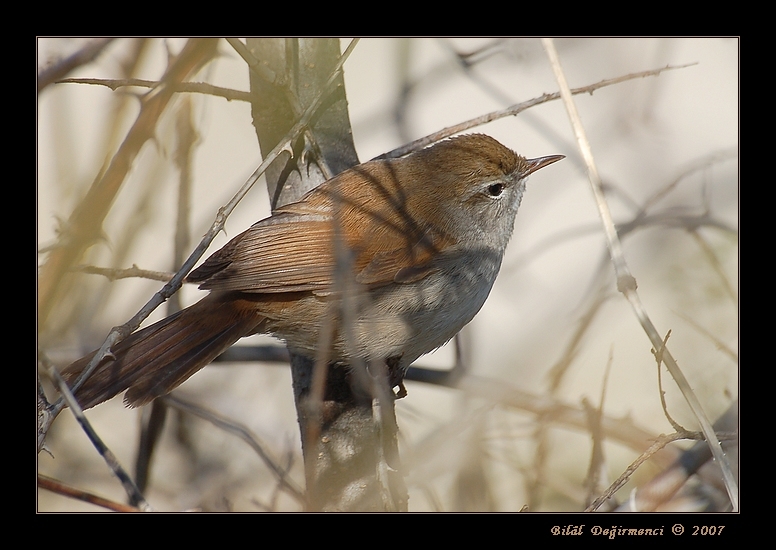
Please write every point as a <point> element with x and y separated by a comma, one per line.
<point>626,283</point>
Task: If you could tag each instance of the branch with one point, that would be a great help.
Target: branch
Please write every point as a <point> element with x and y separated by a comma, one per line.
<point>515,110</point>
<point>244,433</point>
<point>661,442</point>
<point>187,87</point>
<point>45,482</point>
<point>85,55</point>
<point>114,274</point>
<point>110,459</point>
<point>626,283</point>
<point>119,333</point>
<point>85,223</point>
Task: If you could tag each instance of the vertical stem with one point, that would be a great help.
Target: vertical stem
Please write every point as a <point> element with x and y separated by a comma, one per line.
<point>344,442</point>
<point>626,283</point>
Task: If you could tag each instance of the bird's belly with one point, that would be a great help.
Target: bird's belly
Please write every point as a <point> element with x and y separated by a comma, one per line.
<point>396,321</point>
<point>410,320</point>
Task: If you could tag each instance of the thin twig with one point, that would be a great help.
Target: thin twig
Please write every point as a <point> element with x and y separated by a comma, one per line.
<point>85,223</point>
<point>694,166</point>
<point>555,410</point>
<point>597,459</point>
<point>671,218</point>
<point>119,333</point>
<point>724,348</point>
<point>113,274</point>
<point>282,82</point>
<point>186,87</point>
<point>661,442</point>
<point>259,68</point>
<point>85,55</point>
<point>244,433</point>
<point>110,459</point>
<point>626,283</point>
<point>650,495</point>
<point>516,109</point>
<point>659,360</point>
<point>55,486</point>
<point>715,264</point>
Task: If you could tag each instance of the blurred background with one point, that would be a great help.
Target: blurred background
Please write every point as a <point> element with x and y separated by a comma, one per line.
<point>554,338</point>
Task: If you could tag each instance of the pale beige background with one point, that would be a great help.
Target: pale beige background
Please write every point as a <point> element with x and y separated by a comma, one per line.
<point>644,134</point>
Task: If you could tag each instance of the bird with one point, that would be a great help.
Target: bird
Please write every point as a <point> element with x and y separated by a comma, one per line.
<point>390,259</point>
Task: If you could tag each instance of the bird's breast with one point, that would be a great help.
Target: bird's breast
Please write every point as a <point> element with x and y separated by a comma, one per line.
<point>412,319</point>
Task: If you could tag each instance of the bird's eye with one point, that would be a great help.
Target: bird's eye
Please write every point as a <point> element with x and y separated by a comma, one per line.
<point>495,189</point>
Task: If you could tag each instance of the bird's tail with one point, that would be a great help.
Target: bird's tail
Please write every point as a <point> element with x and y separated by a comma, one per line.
<point>157,359</point>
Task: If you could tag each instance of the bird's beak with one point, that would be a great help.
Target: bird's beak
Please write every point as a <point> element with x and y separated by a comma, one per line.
<point>541,162</point>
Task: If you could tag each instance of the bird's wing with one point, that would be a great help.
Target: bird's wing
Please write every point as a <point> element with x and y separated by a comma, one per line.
<point>297,248</point>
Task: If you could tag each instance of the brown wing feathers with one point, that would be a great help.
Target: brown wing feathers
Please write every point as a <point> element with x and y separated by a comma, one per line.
<point>273,258</point>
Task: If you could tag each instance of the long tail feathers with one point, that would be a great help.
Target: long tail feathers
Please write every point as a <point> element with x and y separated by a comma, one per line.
<point>154,361</point>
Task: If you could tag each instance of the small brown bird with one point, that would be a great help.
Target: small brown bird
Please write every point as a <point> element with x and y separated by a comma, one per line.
<point>398,254</point>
